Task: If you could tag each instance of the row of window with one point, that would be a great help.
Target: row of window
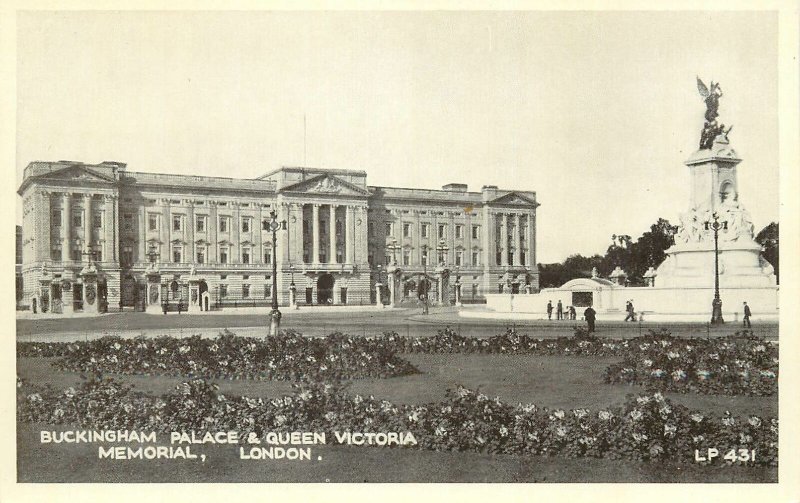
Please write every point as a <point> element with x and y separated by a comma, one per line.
<point>424,260</point>
<point>246,291</point>
<point>424,230</point>
<point>77,219</point>
<point>200,255</point>
<point>224,223</point>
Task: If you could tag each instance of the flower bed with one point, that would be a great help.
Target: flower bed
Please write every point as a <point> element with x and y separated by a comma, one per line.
<point>646,427</point>
<point>741,364</point>
<point>737,365</point>
<point>288,356</point>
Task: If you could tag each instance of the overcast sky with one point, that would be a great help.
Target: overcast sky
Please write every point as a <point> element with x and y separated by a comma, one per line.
<point>596,112</point>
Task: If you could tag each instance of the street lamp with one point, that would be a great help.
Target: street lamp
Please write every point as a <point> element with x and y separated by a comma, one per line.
<point>394,249</point>
<point>275,314</point>
<point>716,304</point>
<point>442,249</point>
<point>424,281</point>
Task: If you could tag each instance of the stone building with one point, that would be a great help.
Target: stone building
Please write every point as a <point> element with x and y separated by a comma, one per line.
<point>97,236</point>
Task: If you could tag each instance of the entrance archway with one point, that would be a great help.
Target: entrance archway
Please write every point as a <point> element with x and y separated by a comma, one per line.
<point>325,289</point>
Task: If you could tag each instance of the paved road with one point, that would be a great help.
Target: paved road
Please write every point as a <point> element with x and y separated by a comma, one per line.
<point>404,321</point>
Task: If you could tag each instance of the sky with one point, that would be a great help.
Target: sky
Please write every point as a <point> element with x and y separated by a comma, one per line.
<point>595,111</point>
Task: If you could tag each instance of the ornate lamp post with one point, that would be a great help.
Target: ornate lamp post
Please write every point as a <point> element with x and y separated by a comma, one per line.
<point>442,249</point>
<point>716,304</point>
<point>275,314</point>
<point>424,281</point>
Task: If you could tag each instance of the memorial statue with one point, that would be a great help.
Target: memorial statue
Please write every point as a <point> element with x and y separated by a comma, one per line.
<point>711,129</point>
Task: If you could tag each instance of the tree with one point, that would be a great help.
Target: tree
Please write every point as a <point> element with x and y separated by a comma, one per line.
<point>575,266</point>
<point>768,238</point>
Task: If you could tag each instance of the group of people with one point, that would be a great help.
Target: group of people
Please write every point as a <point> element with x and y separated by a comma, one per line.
<point>589,314</point>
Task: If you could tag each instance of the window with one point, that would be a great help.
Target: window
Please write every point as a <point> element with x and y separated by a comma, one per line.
<point>459,258</point>
<point>406,257</point>
<point>245,255</point>
<point>265,225</point>
<point>152,222</point>
<point>176,223</point>
<point>223,255</point>
<point>127,221</point>
<point>476,231</point>
<point>406,230</point>
<point>388,228</point>
<point>245,225</point>
<point>371,257</point>
<point>339,227</point>
<point>127,255</point>
<point>521,257</point>
<point>98,255</point>
<point>267,289</point>
<point>77,219</point>
<point>56,218</point>
<point>459,231</point>
<point>442,231</point>
<point>245,291</point>
<point>268,256</point>
<point>223,224</point>
<point>425,230</point>
<point>425,257</point>
<point>177,254</point>
<point>387,259</point>
<point>200,223</point>
<point>223,276</point>
<point>76,254</point>
<point>55,252</point>
<point>201,256</point>
<point>97,220</point>
<point>475,256</point>
<point>371,226</point>
<point>223,291</point>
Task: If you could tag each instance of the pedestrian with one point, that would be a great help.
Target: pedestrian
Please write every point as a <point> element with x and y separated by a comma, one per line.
<point>747,314</point>
<point>559,310</point>
<point>572,313</point>
<point>631,312</point>
<point>589,314</point>
<point>549,309</point>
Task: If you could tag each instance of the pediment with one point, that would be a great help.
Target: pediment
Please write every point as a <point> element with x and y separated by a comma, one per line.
<point>80,174</point>
<point>326,185</point>
<point>515,199</point>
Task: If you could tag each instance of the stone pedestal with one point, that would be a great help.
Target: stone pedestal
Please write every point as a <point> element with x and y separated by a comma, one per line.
<point>89,281</point>
<point>378,302</point>
<point>458,293</point>
<point>194,294</point>
<point>394,283</point>
<point>292,296</point>
<point>153,301</point>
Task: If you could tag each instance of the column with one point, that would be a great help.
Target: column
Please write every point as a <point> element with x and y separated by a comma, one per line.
<point>108,228</point>
<point>504,241</point>
<point>315,234</point>
<point>332,232</point>
<point>189,254</point>
<point>88,224</point>
<point>348,235</point>
<point>141,232</point>
<point>66,226</point>
<point>235,256</point>
<point>531,255</point>
<point>164,232</point>
<point>517,241</point>
<point>297,232</point>
<point>211,232</point>
<point>258,231</point>
<point>115,229</point>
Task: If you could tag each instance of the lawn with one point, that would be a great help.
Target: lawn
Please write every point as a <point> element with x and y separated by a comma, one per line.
<point>569,382</point>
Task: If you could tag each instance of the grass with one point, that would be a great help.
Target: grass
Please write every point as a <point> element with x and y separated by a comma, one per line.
<point>567,382</point>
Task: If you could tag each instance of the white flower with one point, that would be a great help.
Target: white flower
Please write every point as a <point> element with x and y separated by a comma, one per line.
<point>561,431</point>
<point>678,375</point>
<point>580,413</point>
<point>728,421</point>
<point>767,373</point>
<point>696,417</point>
<point>220,397</point>
<point>605,415</point>
<point>35,397</point>
<point>672,355</point>
<point>643,399</point>
<point>280,420</point>
<point>70,392</point>
<point>669,430</point>
<point>639,437</point>
<point>636,414</point>
<point>558,414</point>
<point>698,438</point>
<point>657,373</point>
<point>658,397</point>
<point>755,421</point>
<point>330,416</point>
<point>503,431</point>
<point>117,346</point>
<point>759,349</point>
<point>647,363</point>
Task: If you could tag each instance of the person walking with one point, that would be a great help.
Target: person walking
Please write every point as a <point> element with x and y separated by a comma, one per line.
<point>590,314</point>
<point>747,314</point>
<point>549,309</point>
<point>631,312</point>
<point>559,310</point>
<point>572,314</point>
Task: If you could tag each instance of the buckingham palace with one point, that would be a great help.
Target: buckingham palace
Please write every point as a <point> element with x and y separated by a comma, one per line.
<point>98,237</point>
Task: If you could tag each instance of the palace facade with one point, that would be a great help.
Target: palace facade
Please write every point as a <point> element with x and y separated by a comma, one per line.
<point>98,236</point>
